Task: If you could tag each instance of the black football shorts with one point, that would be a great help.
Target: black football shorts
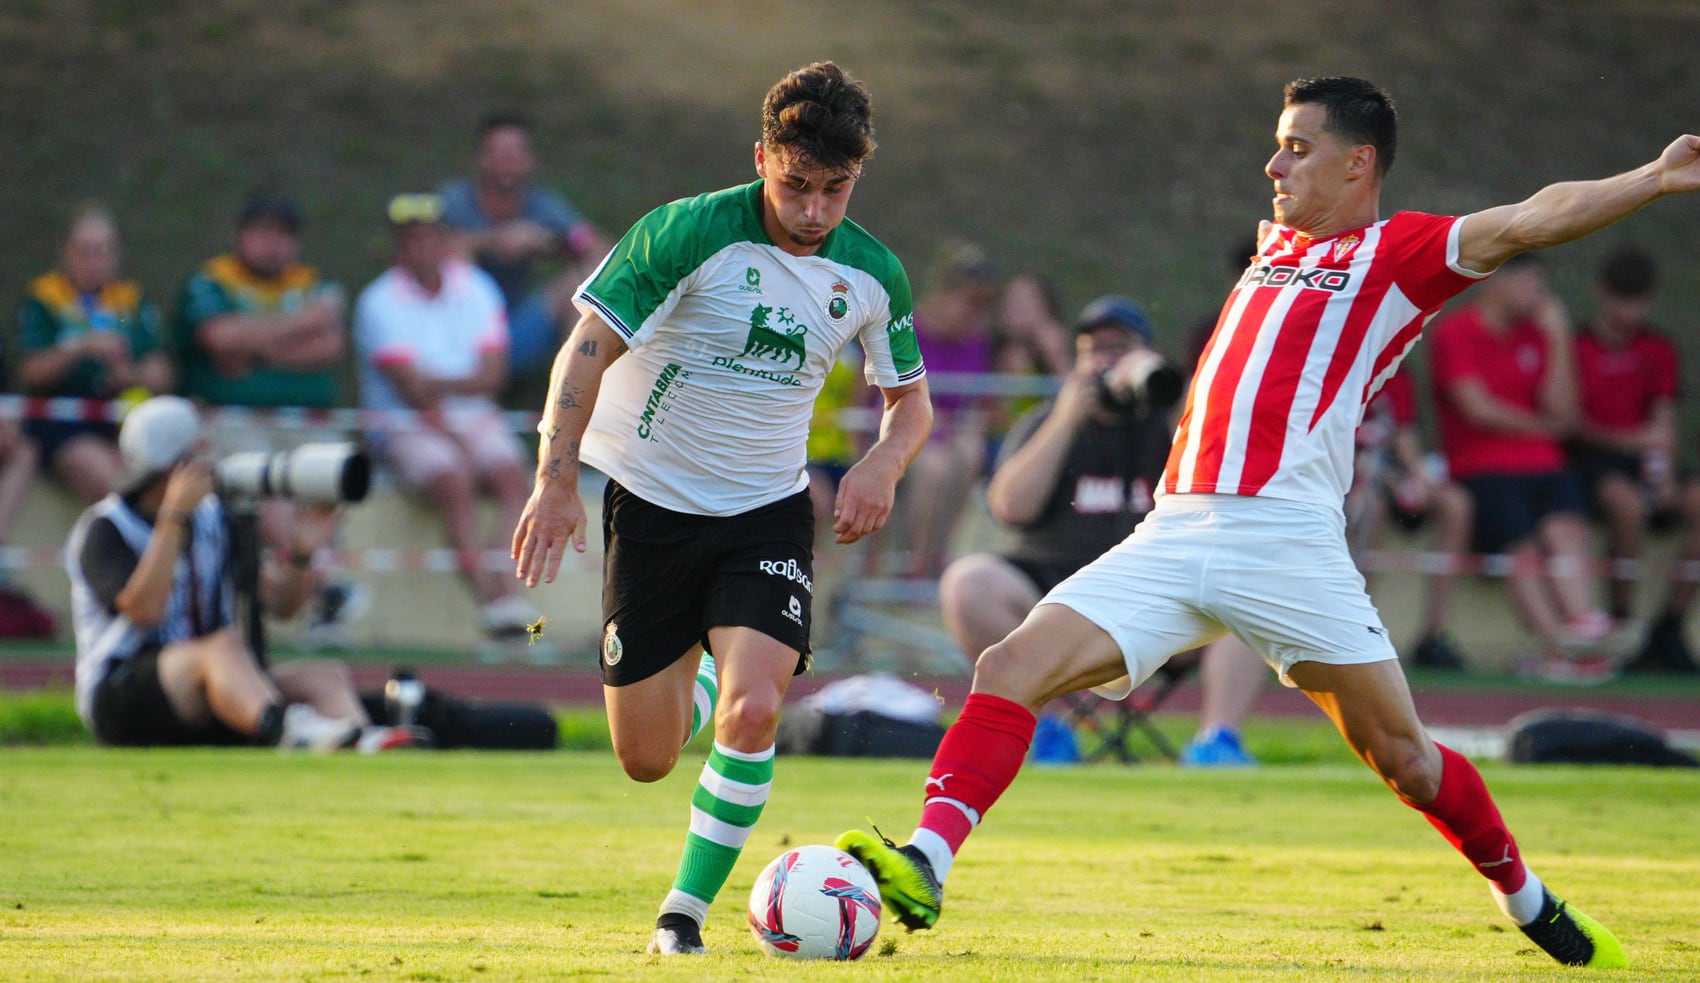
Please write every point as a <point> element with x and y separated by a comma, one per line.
<point>667,577</point>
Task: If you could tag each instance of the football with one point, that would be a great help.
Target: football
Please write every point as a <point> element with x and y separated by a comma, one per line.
<point>815,902</point>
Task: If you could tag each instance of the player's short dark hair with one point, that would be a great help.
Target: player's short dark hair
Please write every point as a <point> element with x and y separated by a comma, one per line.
<point>1358,110</point>
<point>501,120</point>
<point>820,114</point>
<point>1629,271</point>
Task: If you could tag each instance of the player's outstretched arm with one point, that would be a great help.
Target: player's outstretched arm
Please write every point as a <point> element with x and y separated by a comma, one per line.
<point>868,489</point>
<point>1572,209</point>
<point>554,515</point>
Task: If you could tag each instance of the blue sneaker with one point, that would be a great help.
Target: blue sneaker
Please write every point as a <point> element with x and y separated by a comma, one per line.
<point>1216,748</point>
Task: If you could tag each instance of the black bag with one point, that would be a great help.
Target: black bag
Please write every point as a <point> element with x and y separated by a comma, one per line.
<point>458,723</point>
<point>805,729</point>
<point>1570,736</point>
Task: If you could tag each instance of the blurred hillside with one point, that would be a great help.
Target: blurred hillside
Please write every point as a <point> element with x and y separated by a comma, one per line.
<point>1113,144</point>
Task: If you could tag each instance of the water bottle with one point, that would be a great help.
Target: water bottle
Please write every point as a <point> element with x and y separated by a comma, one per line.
<point>403,695</point>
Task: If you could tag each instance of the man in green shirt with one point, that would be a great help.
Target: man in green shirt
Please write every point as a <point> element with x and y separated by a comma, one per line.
<point>256,327</point>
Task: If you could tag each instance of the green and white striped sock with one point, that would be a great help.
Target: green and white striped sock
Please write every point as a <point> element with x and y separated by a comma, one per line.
<point>728,801</point>
<point>707,693</point>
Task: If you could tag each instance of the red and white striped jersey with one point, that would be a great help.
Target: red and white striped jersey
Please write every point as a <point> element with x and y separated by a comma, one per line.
<point>1308,335</point>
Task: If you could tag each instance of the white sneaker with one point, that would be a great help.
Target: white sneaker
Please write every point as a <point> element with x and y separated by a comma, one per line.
<point>306,729</point>
<point>508,615</point>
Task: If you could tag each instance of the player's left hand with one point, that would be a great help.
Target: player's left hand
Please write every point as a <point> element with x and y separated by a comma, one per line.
<point>865,494</point>
<point>1679,165</point>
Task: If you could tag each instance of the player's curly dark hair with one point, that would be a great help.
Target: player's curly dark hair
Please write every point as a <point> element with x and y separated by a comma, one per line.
<point>821,115</point>
<point>1358,110</point>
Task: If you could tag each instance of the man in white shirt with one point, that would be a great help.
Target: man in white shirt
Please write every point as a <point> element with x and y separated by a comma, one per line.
<point>432,336</point>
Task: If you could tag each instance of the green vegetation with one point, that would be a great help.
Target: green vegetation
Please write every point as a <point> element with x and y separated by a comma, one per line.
<point>1112,145</point>
<point>216,865</point>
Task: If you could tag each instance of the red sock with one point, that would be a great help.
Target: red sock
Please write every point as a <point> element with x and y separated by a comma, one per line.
<point>977,760</point>
<point>1465,814</point>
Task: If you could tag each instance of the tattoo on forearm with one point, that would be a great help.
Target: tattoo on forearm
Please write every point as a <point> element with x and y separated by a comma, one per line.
<point>588,348</point>
<point>569,397</point>
<point>554,469</point>
<point>552,434</point>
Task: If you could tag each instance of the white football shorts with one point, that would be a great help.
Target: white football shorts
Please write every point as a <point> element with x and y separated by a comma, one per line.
<point>1275,573</point>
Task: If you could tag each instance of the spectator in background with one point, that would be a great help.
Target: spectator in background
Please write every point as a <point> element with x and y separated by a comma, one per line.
<point>258,328</point>
<point>83,332</point>
<point>1394,479</point>
<point>1625,447</point>
<point>509,226</point>
<point>1506,389</point>
<point>160,660</point>
<point>953,327</point>
<point>1074,477</point>
<point>1028,338</point>
<point>432,337</point>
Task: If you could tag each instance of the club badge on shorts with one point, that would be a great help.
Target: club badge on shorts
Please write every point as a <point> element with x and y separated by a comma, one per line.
<point>612,650</point>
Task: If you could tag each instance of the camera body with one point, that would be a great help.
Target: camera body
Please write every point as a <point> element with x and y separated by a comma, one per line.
<point>1141,382</point>
<point>312,474</point>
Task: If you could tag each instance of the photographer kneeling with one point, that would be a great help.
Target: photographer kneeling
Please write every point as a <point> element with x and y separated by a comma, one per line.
<point>160,659</point>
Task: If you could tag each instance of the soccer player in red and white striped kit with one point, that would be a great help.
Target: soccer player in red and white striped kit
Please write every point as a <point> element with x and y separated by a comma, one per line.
<point>1248,535</point>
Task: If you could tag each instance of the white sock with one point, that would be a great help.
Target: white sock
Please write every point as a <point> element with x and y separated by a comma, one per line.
<point>935,849</point>
<point>680,903</point>
<point>1524,905</point>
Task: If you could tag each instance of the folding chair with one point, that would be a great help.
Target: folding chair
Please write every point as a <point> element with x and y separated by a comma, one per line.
<point>1104,727</point>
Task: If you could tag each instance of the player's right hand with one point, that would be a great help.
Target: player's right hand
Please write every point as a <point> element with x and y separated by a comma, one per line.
<point>553,517</point>
<point>190,482</point>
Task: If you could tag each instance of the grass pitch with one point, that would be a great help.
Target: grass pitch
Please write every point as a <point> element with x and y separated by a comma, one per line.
<point>220,865</point>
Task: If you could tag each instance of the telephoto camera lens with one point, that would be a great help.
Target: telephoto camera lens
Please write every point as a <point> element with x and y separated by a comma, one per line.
<point>313,474</point>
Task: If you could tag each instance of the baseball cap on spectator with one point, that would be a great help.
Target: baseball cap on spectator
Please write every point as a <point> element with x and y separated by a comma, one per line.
<point>155,435</point>
<point>1117,310</point>
<point>414,209</point>
<point>270,206</point>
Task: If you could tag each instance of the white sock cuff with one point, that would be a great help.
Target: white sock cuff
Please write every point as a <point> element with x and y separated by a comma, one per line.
<point>727,752</point>
<point>935,849</point>
<point>678,902</point>
<point>1523,905</point>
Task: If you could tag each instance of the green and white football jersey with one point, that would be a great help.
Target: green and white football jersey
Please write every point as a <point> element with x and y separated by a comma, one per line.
<point>731,338</point>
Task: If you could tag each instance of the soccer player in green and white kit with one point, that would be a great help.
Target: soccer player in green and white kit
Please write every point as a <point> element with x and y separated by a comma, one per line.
<point>705,335</point>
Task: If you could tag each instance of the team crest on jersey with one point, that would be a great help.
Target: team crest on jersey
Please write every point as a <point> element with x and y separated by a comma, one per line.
<point>780,340</point>
<point>612,650</point>
<point>839,305</point>
<point>1345,246</point>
